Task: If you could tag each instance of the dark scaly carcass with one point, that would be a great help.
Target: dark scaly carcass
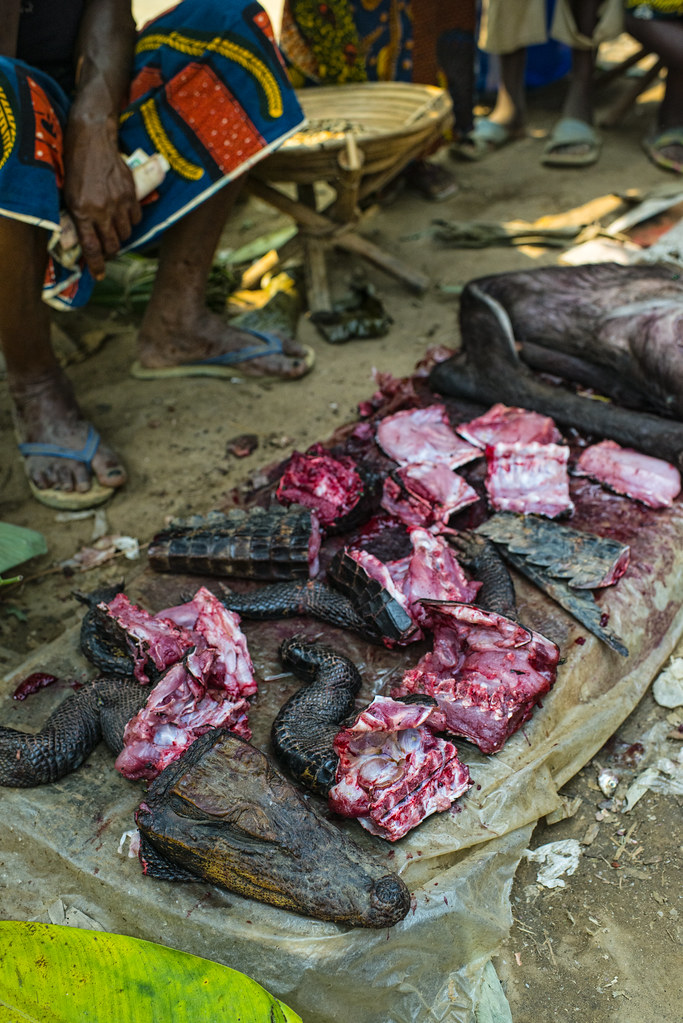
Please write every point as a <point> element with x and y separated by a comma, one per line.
<point>102,641</point>
<point>354,601</point>
<point>223,813</point>
<point>100,709</point>
<point>616,329</point>
<point>291,599</point>
<point>274,543</point>
<point>305,728</point>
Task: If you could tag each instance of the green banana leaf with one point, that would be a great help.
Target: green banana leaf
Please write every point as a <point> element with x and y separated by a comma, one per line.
<point>18,544</point>
<point>68,975</point>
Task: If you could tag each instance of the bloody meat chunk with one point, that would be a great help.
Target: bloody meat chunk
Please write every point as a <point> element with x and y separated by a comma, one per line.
<point>204,690</point>
<point>393,772</point>
<point>331,487</point>
<point>507,424</point>
<point>425,493</point>
<point>150,638</point>
<point>652,481</point>
<point>423,435</point>
<point>485,671</point>
<point>431,572</point>
<point>529,478</point>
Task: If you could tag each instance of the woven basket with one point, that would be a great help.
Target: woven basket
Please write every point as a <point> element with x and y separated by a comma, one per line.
<point>386,119</point>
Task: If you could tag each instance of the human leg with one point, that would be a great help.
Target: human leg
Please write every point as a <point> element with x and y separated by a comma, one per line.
<point>573,141</point>
<point>45,408</point>
<point>664,36</point>
<point>178,331</point>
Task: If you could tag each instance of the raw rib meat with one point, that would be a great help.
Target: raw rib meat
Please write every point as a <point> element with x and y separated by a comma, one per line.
<point>652,481</point>
<point>179,709</point>
<point>393,772</point>
<point>423,435</point>
<point>204,690</point>
<point>529,478</point>
<point>485,671</point>
<point>426,493</point>
<point>431,572</point>
<point>149,637</point>
<point>506,424</point>
<point>206,616</point>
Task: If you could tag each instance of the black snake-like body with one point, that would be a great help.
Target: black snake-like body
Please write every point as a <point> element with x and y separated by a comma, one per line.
<point>304,730</point>
<point>290,599</point>
<point>99,710</point>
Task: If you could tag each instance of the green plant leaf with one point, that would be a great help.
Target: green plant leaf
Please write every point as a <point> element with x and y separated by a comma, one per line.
<point>69,975</point>
<point>18,544</point>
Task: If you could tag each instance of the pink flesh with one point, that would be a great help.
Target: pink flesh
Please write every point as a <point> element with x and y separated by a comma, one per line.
<point>486,672</point>
<point>651,480</point>
<point>430,494</point>
<point>393,772</point>
<point>528,478</point>
<point>504,424</point>
<point>329,486</point>
<point>173,717</point>
<point>206,616</point>
<point>423,435</point>
<point>431,572</point>
<point>207,690</point>
<point>150,637</point>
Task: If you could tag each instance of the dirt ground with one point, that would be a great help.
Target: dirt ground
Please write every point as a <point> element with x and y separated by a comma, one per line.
<point>606,947</point>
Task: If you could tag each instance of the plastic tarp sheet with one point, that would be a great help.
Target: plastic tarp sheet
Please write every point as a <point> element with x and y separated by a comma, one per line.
<point>62,840</point>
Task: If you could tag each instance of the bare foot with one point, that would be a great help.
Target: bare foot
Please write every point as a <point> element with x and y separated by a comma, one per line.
<point>163,342</point>
<point>46,411</point>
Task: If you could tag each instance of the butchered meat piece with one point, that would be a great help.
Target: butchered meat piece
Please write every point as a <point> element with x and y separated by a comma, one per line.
<point>528,478</point>
<point>336,489</point>
<point>652,481</point>
<point>423,435</point>
<point>204,690</point>
<point>393,772</point>
<point>431,572</point>
<point>426,493</point>
<point>150,638</point>
<point>485,671</point>
<point>507,424</point>
<point>180,708</point>
<point>206,616</point>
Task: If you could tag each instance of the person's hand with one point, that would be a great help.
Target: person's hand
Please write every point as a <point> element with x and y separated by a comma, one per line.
<point>99,193</point>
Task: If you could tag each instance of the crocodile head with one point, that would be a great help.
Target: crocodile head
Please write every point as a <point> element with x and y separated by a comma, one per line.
<point>224,813</point>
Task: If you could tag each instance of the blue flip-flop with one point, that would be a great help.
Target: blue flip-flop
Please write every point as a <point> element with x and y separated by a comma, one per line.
<point>227,365</point>
<point>68,500</point>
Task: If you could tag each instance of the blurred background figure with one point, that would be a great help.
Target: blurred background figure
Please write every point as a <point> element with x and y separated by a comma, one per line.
<point>658,25</point>
<point>426,42</point>
<point>507,30</point>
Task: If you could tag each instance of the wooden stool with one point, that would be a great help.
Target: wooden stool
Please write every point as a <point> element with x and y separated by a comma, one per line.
<point>357,139</point>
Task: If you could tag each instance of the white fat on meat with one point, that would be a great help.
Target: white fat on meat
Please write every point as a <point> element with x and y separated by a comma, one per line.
<point>426,493</point>
<point>528,478</point>
<point>393,772</point>
<point>205,689</point>
<point>485,671</point>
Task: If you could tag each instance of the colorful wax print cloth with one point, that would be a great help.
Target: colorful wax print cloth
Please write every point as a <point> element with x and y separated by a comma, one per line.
<point>209,92</point>
<point>342,41</point>
<point>659,10</point>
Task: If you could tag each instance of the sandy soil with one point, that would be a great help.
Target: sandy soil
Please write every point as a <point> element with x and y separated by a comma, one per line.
<point>606,947</point>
